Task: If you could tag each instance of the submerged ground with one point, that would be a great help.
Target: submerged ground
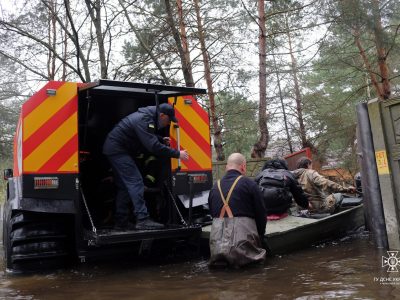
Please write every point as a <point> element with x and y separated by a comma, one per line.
<point>349,268</point>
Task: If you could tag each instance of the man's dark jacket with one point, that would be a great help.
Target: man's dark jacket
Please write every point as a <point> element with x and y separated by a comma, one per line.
<point>277,187</point>
<point>246,199</point>
<point>136,134</point>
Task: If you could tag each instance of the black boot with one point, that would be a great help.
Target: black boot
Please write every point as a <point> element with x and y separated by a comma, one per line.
<point>124,226</point>
<point>148,224</point>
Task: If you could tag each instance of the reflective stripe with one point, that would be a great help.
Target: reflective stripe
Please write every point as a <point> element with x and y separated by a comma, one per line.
<point>149,160</point>
<point>50,130</point>
<point>194,134</point>
<point>151,178</point>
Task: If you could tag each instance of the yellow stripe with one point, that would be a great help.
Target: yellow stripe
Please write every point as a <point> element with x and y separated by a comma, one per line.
<point>71,164</point>
<point>52,144</point>
<point>195,152</point>
<point>193,118</point>
<point>48,108</point>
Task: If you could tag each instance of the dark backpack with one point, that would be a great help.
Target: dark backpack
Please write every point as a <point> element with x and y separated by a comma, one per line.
<point>274,185</point>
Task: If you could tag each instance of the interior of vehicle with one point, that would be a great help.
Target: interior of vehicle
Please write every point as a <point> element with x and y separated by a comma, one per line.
<point>100,109</point>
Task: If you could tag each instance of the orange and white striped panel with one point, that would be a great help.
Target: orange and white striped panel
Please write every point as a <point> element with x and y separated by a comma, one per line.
<point>50,130</point>
<point>194,134</point>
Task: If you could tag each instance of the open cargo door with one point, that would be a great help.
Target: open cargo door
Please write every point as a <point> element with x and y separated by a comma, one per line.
<point>192,178</point>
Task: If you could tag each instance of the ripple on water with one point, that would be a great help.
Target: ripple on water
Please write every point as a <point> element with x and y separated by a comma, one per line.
<point>343,269</point>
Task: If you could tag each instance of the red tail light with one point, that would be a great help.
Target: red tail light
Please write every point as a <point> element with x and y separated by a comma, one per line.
<point>199,178</point>
<point>45,183</point>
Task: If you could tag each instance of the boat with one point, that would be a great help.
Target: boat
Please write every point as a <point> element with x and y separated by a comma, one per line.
<point>297,232</point>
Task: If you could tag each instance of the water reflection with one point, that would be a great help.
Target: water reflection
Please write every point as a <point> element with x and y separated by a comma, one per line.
<point>342,269</point>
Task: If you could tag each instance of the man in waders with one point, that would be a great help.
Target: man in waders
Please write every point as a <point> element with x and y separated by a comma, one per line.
<point>133,135</point>
<point>238,213</point>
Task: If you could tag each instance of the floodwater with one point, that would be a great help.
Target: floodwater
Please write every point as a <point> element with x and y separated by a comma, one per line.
<point>350,268</point>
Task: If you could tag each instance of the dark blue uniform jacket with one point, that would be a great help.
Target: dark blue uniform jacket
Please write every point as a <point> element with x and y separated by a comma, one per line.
<point>246,199</point>
<point>135,134</point>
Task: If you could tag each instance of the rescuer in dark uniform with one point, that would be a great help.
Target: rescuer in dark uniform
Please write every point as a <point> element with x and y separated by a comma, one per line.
<point>133,135</point>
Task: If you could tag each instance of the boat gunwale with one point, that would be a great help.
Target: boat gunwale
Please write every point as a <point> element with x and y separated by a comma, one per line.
<point>317,221</point>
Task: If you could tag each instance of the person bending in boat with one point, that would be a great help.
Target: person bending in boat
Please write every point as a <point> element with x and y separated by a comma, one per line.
<point>279,186</point>
<point>318,188</point>
<point>238,213</point>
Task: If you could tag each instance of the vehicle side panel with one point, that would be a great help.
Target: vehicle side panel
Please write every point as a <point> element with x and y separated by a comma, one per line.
<point>49,130</point>
<point>194,136</point>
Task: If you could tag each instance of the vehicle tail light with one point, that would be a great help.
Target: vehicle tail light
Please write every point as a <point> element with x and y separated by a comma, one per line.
<point>199,178</point>
<point>45,183</point>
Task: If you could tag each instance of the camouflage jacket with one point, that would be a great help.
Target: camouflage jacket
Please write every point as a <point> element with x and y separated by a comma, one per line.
<point>316,186</point>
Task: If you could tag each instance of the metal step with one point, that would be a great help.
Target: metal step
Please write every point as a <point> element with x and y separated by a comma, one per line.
<point>111,236</point>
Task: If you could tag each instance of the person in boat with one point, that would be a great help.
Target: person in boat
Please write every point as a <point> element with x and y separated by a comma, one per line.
<point>135,134</point>
<point>320,190</point>
<point>238,226</point>
<point>279,187</point>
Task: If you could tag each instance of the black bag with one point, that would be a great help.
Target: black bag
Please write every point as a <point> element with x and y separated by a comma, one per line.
<point>274,186</point>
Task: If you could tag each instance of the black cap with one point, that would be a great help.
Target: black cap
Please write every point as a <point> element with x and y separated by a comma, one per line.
<point>168,110</point>
<point>276,163</point>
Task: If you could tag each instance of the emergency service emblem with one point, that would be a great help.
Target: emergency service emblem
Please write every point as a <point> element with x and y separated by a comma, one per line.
<point>392,261</point>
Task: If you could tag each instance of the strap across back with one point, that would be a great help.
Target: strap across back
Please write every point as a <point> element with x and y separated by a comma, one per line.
<point>225,207</point>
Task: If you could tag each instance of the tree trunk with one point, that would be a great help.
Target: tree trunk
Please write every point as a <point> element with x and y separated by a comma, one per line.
<point>75,38</point>
<point>299,106</point>
<point>207,72</point>
<point>64,66</point>
<point>144,44</point>
<point>381,50</point>
<point>185,46</point>
<point>51,61</point>
<point>175,33</point>
<point>261,145</point>
<point>357,41</point>
<point>94,9</point>
<point>289,140</point>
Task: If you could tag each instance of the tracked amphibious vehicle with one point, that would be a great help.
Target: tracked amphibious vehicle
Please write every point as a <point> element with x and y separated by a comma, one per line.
<point>61,193</point>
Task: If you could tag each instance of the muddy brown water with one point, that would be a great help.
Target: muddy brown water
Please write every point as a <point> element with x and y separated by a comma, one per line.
<point>349,268</point>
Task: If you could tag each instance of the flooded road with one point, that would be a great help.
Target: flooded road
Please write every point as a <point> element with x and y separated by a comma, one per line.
<point>347,269</point>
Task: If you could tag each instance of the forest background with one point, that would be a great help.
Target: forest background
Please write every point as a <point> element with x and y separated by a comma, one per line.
<point>281,75</point>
